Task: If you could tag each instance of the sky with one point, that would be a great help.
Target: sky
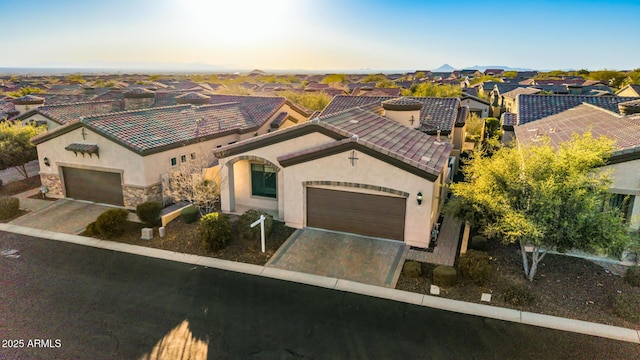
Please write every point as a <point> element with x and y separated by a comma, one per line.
<point>320,35</point>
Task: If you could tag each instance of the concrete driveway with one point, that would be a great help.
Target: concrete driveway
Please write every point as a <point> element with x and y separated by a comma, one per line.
<point>64,215</point>
<point>344,256</point>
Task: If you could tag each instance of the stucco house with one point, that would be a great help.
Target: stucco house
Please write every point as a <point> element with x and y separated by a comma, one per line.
<point>118,157</point>
<point>360,170</point>
<point>622,126</point>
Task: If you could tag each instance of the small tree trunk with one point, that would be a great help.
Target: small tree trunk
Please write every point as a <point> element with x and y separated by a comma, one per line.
<point>535,259</point>
<point>525,260</point>
<point>22,169</point>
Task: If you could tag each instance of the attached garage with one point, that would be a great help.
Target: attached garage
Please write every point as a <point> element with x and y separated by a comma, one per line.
<point>92,185</point>
<point>364,214</point>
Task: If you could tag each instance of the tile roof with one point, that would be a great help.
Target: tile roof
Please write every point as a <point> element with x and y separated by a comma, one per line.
<point>364,128</point>
<point>64,113</point>
<point>436,114</point>
<point>535,107</point>
<point>625,131</point>
<point>151,130</point>
<point>192,98</point>
<point>279,120</point>
<point>28,99</point>
<point>260,108</point>
<point>54,99</point>
<point>521,90</point>
<point>509,120</point>
<point>7,110</point>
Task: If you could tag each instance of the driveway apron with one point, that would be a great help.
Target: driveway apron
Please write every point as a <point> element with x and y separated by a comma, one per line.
<point>64,215</point>
<point>344,256</point>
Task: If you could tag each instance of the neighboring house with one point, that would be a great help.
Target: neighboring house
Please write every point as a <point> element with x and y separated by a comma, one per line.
<point>629,90</point>
<point>359,170</point>
<point>27,102</point>
<point>377,92</point>
<point>118,158</point>
<point>54,116</point>
<point>7,110</point>
<point>623,127</point>
<point>477,106</point>
<point>509,97</point>
<point>494,72</point>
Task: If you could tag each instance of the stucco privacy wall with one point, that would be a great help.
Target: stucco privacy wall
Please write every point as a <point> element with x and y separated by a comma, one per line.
<point>626,180</point>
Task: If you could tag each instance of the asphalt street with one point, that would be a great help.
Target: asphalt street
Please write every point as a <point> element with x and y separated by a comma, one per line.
<point>60,300</point>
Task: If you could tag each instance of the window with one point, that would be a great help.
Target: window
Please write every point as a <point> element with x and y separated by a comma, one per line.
<point>174,161</point>
<point>193,156</point>
<point>263,180</point>
<point>183,158</point>
<point>624,203</point>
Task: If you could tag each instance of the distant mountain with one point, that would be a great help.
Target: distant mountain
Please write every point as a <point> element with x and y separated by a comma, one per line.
<point>482,68</point>
<point>444,68</point>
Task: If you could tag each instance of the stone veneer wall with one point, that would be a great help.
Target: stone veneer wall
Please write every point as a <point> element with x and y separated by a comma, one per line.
<point>134,195</point>
<point>53,184</point>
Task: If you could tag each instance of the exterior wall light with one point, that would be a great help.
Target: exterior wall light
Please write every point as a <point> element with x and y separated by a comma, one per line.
<point>420,198</point>
<point>46,162</point>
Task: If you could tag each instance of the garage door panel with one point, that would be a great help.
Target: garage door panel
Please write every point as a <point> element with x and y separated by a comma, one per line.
<point>366,214</point>
<point>92,185</point>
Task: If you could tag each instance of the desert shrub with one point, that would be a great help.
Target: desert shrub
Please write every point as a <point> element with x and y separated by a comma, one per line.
<point>9,207</point>
<point>517,295</point>
<point>91,230</point>
<point>412,269</point>
<point>111,222</point>
<point>627,306</point>
<point>475,266</point>
<point>479,243</point>
<point>149,212</point>
<point>189,214</point>
<point>445,276</point>
<point>246,232</point>
<point>632,276</point>
<point>215,230</point>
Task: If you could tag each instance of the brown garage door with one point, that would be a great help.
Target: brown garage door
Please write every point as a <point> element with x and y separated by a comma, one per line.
<point>371,215</point>
<point>98,186</point>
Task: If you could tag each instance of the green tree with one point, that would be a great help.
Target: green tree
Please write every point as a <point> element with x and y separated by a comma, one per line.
<point>335,79</point>
<point>25,91</point>
<point>485,78</point>
<point>428,89</point>
<point>419,75</point>
<point>510,74</point>
<point>611,77</point>
<point>16,148</point>
<point>315,100</point>
<point>544,197</point>
<point>386,83</point>
<point>373,78</point>
<point>234,89</point>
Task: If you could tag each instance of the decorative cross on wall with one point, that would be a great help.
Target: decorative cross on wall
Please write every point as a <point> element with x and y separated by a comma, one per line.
<point>84,134</point>
<point>412,120</point>
<point>353,158</point>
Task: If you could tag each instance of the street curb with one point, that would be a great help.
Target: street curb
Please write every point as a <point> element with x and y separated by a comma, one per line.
<point>488,311</point>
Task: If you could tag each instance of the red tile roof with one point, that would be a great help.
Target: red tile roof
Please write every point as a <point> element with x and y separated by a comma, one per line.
<point>366,130</point>
<point>64,113</point>
<point>535,107</point>
<point>436,113</point>
<point>624,130</point>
